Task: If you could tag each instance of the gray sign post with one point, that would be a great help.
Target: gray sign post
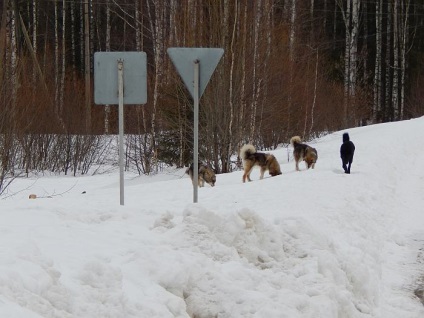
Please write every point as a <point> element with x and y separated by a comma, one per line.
<point>120,77</point>
<point>195,66</point>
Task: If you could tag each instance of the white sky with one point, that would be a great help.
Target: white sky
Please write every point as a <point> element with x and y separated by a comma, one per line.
<point>315,243</point>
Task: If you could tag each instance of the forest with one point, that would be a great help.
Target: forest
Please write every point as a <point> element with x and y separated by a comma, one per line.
<point>289,68</point>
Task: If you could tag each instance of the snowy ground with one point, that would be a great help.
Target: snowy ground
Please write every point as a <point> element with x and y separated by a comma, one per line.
<point>315,243</point>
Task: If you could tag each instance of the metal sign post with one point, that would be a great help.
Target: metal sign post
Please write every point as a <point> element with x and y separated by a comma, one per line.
<point>195,81</point>
<point>126,71</point>
<point>121,129</point>
<point>196,130</point>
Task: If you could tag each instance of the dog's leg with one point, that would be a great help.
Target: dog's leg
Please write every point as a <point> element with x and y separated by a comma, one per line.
<point>297,166</point>
<point>262,172</point>
<point>246,174</point>
<point>201,182</point>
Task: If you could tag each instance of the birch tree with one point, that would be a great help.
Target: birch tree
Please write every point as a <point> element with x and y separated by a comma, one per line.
<point>34,37</point>
<point>404,42</point>
<point>263,82</point>
<point>351,20</point>
<point>108,27</point>
<point>388,64</point>
<point>292,40</point>
<point>157,13</point>
<point>87,65</point>
<point>56,58</point>
<point>243,88</point>
<point>256,85</point>
<point>63,66</point>
<point>395,88</point>
<point>378,60</point>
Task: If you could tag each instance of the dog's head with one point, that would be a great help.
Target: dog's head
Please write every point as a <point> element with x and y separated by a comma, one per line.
<point>273,165</point>
<point>311,157</point>
<point>208,175</point>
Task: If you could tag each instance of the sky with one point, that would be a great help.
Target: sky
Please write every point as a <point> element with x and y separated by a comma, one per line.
<point>314,243</point>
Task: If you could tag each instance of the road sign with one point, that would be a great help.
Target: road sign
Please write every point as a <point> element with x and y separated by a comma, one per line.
<point>106,79</point>
<point>183,59</point>
<point>195,66</point>
<point>120,78</point>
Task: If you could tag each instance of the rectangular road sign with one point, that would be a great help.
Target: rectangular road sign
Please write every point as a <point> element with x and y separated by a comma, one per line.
<point>106,77</point>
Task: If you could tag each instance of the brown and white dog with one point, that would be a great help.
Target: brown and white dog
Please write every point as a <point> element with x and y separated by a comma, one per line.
<point>205,174</point>
<point>252,158</point>
<point>303,152</point>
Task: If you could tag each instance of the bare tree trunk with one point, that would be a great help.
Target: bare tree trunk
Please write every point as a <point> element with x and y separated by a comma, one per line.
<point>291,70</point>
<point>157,26</point>
<point>108,26</point>
<point>378,61</point>
<point>325,14</point>
<point>388,86</point>
<point>4,20</point>
<point>174,40</point>
<point>56,58</point>
<point>231,97</point>
<point>351,20</point>
<point>34,37</point>
<point>87,67</point>
<point>365,45</point>
<point>268,35</point>
<point>82,33</point>
<point>335,24</point>
<point>173,37</point>
<point>73,43</point>
<point>404,43</point>
<point>13,71</point>
<point>353,60</point>
<point>315,94</point>
<point>243,103</point>
<point>63,70</point>
<point>346,62</point>
<point>395,89</point>
<point>256,86</point>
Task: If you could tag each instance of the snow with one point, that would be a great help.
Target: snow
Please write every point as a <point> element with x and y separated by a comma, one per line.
<point>315,243</point>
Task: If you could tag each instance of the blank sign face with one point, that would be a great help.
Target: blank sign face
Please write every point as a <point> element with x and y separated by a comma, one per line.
<point>183,59</point>
<point>106,77</point>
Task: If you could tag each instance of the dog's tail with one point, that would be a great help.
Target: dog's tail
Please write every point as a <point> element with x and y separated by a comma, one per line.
<point>295,140</point>
<point>190,169</point>
<point>246,151</point>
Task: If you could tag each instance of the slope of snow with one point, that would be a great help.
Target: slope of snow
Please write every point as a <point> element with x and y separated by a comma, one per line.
<point>315,243</point>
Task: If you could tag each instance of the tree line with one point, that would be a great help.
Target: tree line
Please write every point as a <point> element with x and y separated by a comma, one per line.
<point>289,68</point>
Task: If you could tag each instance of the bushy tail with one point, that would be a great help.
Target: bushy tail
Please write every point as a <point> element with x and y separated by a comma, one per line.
<point>246,151</point>
<point>190,169</point>
<point>295,140</point>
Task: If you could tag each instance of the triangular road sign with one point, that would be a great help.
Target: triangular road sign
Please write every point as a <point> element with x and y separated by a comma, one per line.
<point>184,58</point>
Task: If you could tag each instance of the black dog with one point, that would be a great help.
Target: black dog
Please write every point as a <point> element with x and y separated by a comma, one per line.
<point>347,150</point>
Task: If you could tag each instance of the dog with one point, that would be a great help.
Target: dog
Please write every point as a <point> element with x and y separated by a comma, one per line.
<point>205,174</point>
<point>252,158</point>
<point>347,150</point>
<point>303,152</point>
